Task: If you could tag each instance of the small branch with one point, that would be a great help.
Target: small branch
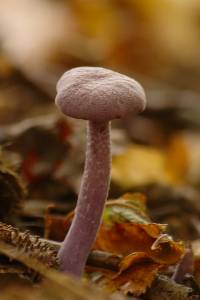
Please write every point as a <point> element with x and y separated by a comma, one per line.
<point>32,245</point>
<point>46,251</point>
<point>104,260</point>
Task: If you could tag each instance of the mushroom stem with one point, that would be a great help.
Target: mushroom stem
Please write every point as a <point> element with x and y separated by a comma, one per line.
<point>91,200</point>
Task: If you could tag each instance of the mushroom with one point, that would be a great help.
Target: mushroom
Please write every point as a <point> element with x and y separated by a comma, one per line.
<point>98,95</point>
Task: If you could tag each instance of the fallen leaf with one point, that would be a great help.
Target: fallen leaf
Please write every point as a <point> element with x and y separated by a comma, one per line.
<point>140,165</point>
<point>145,246</point>
<point>136,274</point>
<point>126,228</point>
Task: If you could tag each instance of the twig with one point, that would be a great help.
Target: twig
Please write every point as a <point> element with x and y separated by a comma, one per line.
<point>45,250</point>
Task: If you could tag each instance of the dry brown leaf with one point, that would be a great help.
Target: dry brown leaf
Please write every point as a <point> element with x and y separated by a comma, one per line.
<point>136,280</point>
<point>55,227</point>
<point>136,274</point>
<point>126,228</point>
<point>128,231</point>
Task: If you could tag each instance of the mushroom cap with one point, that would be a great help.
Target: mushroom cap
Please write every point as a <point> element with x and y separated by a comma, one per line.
<point>98,94</point>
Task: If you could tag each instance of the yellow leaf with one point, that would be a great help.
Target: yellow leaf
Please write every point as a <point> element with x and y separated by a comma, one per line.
<point>140,165</point>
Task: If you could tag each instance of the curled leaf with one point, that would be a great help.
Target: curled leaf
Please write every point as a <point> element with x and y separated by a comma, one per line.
<point>126,228</point>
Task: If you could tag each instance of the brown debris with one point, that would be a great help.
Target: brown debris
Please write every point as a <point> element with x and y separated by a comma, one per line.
<point>31,245</point>
<point>166,289</point>
<point>12,190</point>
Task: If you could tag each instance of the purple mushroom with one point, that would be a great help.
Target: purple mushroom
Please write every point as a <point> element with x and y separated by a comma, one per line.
<point>98,95</point>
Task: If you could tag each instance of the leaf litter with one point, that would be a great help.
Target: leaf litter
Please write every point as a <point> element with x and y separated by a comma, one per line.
<point>143,243</point>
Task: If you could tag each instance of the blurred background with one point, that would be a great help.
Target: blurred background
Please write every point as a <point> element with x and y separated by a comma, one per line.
<point>156,42</point>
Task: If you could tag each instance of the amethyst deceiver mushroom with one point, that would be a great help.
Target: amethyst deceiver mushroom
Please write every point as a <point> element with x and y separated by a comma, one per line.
<point>98,95</point>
